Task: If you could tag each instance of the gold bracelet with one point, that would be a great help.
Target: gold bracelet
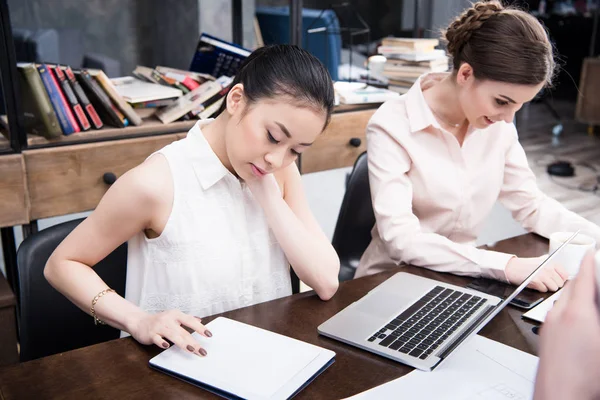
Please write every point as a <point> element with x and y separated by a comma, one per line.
<point>94,301</point>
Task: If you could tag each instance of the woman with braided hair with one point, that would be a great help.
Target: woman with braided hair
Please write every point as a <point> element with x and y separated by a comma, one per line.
<point>441,155</point>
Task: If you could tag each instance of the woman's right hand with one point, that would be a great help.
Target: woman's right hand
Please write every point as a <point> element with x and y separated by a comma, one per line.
<point>155,328</point>
<point>551,278</point>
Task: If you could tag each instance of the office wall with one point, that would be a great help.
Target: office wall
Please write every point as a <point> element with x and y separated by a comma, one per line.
<point>433,14</point>
<point>145,32</point>
<point>215,19</point>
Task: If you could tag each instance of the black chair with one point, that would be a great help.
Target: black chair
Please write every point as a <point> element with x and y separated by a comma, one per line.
<point>49,323</point>
<point>352,232</point>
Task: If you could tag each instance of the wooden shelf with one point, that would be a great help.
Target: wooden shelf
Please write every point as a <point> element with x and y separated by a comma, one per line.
<point>149,127</point>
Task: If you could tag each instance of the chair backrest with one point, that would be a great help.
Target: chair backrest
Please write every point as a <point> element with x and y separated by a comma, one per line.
<point>49,323</point>
<point>352,232</point>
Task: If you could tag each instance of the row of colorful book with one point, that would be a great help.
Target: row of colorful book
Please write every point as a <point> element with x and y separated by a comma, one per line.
<point>58,100</point>
<point>407,59</point>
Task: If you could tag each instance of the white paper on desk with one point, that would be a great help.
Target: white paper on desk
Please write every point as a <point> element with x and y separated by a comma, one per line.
<point>481,370</point>
<point>246,361</point>
<point>539,312</point>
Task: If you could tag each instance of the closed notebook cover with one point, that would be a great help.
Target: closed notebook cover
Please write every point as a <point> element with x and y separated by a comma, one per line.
<point>246,362</point>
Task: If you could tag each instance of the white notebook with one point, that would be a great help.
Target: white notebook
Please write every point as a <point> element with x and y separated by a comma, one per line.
<point>481,369</point>
<point>246,362</point>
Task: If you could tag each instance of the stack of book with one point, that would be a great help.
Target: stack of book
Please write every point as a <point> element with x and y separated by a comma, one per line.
<point>361,93</point>
<point>407,59</point>
<point>57,100</point>
<point>171,94</point>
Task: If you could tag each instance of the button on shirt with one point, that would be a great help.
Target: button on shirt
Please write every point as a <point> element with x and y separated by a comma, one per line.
<point>431,196</point>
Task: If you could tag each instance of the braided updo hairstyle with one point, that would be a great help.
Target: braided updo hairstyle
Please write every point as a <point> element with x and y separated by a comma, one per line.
<point>501,44</point>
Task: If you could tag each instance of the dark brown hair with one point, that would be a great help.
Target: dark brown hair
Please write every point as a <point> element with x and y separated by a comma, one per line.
<point>289,71</point>
<point>501,44</point>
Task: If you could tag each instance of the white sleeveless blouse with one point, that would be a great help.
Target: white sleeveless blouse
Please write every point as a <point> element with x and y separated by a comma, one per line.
<point>216,252</point>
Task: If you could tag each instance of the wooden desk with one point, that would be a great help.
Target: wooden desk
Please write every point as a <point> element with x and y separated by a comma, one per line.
<point>119,369</point>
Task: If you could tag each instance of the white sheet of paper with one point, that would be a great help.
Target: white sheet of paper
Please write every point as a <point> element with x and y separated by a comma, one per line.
<point>481,370</point>
<point>242,359</point>
<point>539,312</point>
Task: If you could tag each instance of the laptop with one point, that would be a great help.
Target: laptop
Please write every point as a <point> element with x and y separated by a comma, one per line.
<point>418,321</point>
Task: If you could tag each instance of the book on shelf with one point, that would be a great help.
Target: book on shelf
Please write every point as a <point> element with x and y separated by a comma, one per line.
<point>428,64</point>
<point>154,103</point>
<point>109,88</point>
<point>134,90</point>
<point>144,74</point>
<point>211,110</point>
<point>69,95</point>
<point>66,120</point>
<point>183,79</point>
<point>145,112</point>
<point>225,82</point>
<point>410,44</point>
<point>428,56</point>
<point>186,103</point>
<point>103,104</point>
<point>162,79</point>
<point>197,76</point>
<point>360,93</point>
<point>83,99</point>
<point>39,115</point>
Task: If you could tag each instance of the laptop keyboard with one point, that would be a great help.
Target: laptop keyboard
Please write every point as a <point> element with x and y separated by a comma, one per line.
<point>425,325</point>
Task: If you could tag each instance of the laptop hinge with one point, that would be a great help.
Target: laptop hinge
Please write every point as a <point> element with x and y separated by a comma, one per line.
<point>459,339</point>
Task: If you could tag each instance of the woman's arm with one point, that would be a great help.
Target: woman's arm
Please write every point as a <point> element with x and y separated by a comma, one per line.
<point>133,204</point>
<point>305,245</point>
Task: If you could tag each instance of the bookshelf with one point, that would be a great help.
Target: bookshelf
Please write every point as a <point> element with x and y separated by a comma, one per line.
<point>149,127</point>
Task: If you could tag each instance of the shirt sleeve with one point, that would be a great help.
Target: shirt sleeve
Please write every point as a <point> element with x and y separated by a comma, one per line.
<point>533,209</point>
<point>401,233</point>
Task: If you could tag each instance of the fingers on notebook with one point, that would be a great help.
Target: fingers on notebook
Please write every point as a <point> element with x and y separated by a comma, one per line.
<point>160,342</point>
<point>184,340</point>
<point>195,324</point>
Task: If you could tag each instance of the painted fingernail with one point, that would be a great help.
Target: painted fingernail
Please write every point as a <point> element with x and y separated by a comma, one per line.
<point>190,348</point>
<point>202,352</point>
<point>207,333</point>
<point>165,345</point>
